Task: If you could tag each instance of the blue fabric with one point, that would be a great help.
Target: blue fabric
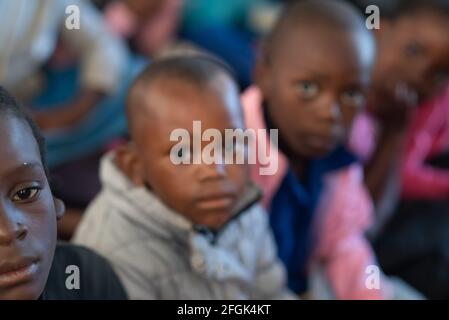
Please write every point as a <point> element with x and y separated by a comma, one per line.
<point>105,122</point>
<point>291,214</point>
<point>231,44</point>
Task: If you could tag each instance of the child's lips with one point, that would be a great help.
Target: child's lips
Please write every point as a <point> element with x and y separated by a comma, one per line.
<point>216,202</point>
<point>13,273</point>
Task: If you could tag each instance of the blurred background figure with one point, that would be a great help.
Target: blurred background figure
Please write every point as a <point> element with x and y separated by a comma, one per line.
<point>149,26</point>
<point>74,83</point>
<point>229,29</point>
<point>407,165</point>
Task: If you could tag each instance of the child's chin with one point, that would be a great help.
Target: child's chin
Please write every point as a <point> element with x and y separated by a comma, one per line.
<point>28,291</point>
<point>216,220</point>
<point>313,152</point>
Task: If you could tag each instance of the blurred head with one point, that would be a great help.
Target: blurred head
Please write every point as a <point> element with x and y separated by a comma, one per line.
<point>28,210</point>
<point>314,71</point>
<point>144,8</point>
<point>170,95</point>
<point>413,46</point>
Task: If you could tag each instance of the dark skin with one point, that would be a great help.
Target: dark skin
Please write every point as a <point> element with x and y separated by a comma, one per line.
<point>313,88</point>
<point>412,51</point>
<point>72,113</point>
<point>143,8</point>
<point>28,214</point>
<point>412,66</point>
<point>204,194</point>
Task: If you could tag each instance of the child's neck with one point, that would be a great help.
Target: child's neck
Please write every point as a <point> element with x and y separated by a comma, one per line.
<point>297,163</point>
<point>299,168</point>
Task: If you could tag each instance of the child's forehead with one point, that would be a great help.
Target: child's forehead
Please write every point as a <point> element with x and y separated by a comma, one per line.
<point>429,22</point>
<point>430,33</point>
<point>317,33</point>
<point>317,16</point>
<point>19,146</point>
<point>176,104</point>
<point>324,48</point>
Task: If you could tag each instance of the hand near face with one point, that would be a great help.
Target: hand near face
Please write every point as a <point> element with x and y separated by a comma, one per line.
<point>392,105</point>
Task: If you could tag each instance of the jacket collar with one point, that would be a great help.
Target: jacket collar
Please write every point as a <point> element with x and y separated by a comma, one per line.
<point>213,254</point>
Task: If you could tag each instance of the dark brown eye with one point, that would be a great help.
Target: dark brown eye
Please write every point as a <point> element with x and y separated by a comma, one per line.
<point>353,98</point>
<point>183,154</point>
<point>308,89</point>
<point>413,49</point>
<point>26,194</point>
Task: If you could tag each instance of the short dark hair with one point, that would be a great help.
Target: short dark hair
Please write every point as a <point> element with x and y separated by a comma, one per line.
<point>393,9</point>
<point>10,106</point>
<point>336,15</point>
<point>412,6</point>
<point>196,68</point>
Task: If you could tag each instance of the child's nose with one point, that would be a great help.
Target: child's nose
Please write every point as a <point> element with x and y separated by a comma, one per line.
<point>212,171</point>
<point>10,230</point>
<point>330,111</point>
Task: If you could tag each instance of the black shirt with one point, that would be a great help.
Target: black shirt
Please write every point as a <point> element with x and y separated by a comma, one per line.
<point>97,279</point>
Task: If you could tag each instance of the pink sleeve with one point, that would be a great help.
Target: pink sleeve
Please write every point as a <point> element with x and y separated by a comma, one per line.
<point>343,215</point>
<point>418,179</point>
<point>251,101</point>
<point>427,136</point>
<point>362,139</point>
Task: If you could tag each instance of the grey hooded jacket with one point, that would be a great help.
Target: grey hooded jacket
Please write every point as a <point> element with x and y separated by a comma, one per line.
<point>157,253</point>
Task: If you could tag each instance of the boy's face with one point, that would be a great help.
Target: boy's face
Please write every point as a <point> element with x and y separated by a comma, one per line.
<point>28,213</point>
<point>414,50</point>
<point>205,194</point>
<point>314,82</point>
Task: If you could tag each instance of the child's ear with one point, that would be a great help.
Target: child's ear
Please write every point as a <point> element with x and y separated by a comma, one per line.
<point>128,161</point>
<point>59,208</point>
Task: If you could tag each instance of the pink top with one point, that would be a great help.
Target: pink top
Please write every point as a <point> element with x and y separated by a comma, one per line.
<point>343,214</point>
<point>427,135</point>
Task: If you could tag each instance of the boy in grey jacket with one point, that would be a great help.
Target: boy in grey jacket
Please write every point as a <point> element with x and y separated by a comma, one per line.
<point>173,224</point>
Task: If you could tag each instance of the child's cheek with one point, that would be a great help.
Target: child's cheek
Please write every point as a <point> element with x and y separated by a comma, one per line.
<point>40,241</point>
<point>42,228</point>
<point>239,175</point>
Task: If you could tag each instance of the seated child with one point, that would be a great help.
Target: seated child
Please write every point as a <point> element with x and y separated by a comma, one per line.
<point>182,230</point>
<point>30,268</point>
<point>74,82</point>
<point>311,79</point>
<point>412,52</point>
